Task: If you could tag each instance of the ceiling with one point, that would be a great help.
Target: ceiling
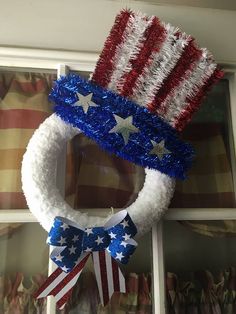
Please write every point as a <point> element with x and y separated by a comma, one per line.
<point>215,4</point>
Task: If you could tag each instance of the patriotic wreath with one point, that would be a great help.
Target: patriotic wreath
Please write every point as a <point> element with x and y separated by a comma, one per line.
<point>148,82</point>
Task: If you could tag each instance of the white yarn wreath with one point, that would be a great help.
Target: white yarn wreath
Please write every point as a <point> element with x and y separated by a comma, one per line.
<point>45,201</point>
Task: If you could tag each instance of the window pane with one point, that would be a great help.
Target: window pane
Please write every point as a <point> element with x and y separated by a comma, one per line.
<point>23,267</point>
<point>200,268</point>
<point>23,106</point>
<point>210,181</point>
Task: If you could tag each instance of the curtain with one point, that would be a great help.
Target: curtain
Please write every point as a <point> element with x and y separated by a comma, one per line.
<point>23,106</point>
<point>203,292</point>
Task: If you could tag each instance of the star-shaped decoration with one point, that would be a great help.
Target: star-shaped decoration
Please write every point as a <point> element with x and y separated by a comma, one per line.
<point>125,223</point>
<point>64,268</point>
<point>89,231</point>
<point>125,127</point>
<point>75,238</point>
<point>58,258</point>
<point>159,149</point>
<point>112,235</point>
<point>62,241</point>
<point>88,249</point>
<point>64,226</point>
<point>99,240</point>
<point>123,243</point>
<point>126,236</point>
<point>119,256</point>
<point>72,250</point>
<point>85,101</point>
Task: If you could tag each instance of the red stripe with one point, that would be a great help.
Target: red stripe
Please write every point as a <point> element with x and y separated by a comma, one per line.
<point>195,102</point>
<point>21,119</point>
<point>104,279</point>
<point>64,299</point>
<point>49,280</point>
<point>104,68</point>
<point>186,63</point>
<point>155,35</point>
<point>70,276</point>
<point>115,271</point>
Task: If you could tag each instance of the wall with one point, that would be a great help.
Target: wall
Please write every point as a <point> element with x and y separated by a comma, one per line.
<point>80,25</point>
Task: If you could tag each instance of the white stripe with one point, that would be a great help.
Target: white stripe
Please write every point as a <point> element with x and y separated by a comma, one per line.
<point>160,67</point>
<point>109,271</point>
<point>188,88</point>
<point>67,287</point>
<point>98,273</point>
<point>52,285</point>
<point>121,281</point>
<point>128,49</point>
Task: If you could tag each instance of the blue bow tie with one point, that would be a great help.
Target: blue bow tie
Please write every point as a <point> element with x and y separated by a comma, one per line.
<point>73,242</point>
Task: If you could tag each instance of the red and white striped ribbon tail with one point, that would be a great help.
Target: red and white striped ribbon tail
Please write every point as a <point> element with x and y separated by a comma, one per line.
<point>60,284</point>
<point>109,277</point>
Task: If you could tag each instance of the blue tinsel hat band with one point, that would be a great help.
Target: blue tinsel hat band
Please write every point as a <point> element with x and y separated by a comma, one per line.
<point>121,126</point>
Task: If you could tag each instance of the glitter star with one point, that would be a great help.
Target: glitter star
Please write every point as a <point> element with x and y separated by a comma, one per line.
<point>72,250</point>
<point>125,223</point>
<point>159,149</point>
<point>99,240</point>
<point>112,235</point>
<point>89,231</point>
<point>62,241</point>
<point>119,256</point>
<point>85,101</point>
<point>58,258</point>
<point>64,268</point>
<point>89,249</point>
<point>126,236</point>
<point>124,127</point>
<point>76,238</point>
<point>64,226</point>
<point>123,243</point>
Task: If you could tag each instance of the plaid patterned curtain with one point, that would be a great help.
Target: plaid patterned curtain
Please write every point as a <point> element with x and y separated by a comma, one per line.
<point>24,105</point>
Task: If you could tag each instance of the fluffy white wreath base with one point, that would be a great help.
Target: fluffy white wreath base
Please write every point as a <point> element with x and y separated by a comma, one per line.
<point>44,199</point>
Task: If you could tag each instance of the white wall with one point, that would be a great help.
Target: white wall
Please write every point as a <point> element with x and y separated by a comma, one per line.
<point>82,25</point>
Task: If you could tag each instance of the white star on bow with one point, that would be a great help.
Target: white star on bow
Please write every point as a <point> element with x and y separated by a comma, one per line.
<point>58,258</point>
<point>159,149</point>
<point>126,236</point>
<point>72,250</point>
<point>64,226</point>
<point>85,101</point>
<point>119,256</point>
<point>76,238</point>
<point>64,268</point>
<point>124,127</point>
<point>125,223</point>
<point>89,231</point>
<point>62,241</point>
<point>123,243</point>
<point>112,235</point>
<point>99,240</point>
<point>89,249</point>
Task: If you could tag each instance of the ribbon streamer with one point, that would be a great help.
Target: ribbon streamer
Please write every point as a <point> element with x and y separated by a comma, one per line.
<point>108,245</point>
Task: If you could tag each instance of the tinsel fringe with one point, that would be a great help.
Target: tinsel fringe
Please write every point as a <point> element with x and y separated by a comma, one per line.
<point>104,67</point>
<point>160,66</point>
<point>155,36</point>
<point>133,41</point>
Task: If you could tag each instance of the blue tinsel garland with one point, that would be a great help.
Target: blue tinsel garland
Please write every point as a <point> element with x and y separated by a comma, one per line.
<point>99,120</point>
